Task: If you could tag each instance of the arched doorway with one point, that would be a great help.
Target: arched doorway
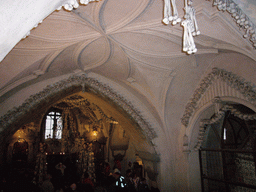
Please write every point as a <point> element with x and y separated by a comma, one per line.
<point>227,154</point>
<point>104,107</point>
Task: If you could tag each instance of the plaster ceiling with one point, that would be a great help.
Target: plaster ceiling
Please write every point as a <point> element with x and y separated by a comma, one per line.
<point>124,41</point>
<point>114,39</point>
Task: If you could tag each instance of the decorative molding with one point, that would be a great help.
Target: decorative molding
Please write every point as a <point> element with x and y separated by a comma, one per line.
<point>240,18</point>
<point>216,119</point>
<point>189,23</point>
<point>11,116</point>
<point>68,5</point>
<point>79,101</point>
<point>238,83</point>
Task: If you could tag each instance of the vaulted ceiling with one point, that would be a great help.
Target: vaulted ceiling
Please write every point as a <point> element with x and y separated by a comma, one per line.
<point>123,43</point>
<point>117,39</point>
<point>119,56</point>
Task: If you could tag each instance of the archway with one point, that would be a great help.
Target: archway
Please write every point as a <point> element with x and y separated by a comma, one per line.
<point>218,89</point>
<point>83,98</point>
<point>226,155</point>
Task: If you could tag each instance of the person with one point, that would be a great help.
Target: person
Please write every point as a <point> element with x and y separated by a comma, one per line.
<point>59,177</point>
<point>135,180</point>
<point>129,181</point>
<point>107,169</point>
<point>143,187</point>
<point>117,165</point>
<point>61,167</point>
<point>47,185</point>
<point>120,184</point>
<point>87,180</point>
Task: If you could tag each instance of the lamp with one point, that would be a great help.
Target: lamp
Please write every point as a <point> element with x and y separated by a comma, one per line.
<point>95,133</point>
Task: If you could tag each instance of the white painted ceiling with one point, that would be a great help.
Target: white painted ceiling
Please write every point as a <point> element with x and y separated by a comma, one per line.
<point>123,41</point>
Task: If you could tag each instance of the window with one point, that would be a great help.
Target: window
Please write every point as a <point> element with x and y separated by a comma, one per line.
<point>53,125</point>
<point>235,133</point>
<point>224,134</point>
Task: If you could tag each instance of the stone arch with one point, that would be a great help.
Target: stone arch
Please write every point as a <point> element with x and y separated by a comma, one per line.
<point>216,91</point>
<point>219,86</point>
<point>218,83</point>
<point>70,85</point>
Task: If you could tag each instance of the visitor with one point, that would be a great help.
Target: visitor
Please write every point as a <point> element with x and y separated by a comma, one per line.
<point>143,186</point>
<point>120,184</point>
<point>86,183</point>
<point>87,180</point>
<point>61,167</point>
<point>47,185</point>
<point>135,180</point>
<point>129,181</point>
<point>59,177</point>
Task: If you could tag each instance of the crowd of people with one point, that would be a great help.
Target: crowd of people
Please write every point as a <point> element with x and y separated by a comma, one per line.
<point>107,181</point>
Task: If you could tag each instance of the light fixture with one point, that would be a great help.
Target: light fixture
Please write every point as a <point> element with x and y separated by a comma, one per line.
<point>21,140</point>
<point>95,133</point>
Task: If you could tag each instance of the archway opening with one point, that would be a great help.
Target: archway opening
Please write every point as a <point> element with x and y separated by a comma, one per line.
<point>84,131</point>
<point>227,154</point>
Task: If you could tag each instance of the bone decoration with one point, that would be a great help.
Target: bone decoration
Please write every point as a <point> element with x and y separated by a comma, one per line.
<point>190,28</point>
<point>169,15</point>
<point>189,24</point>
<point>241,19</point>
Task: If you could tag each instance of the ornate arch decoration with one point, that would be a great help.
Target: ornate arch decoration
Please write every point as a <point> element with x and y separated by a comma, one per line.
<point>81,81</point>
<point>217,117</point>
<point>226,84</point>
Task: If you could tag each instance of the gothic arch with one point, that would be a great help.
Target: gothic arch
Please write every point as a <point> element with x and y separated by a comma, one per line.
<point>218,83</point>
<point>73,84</point>
<point>216,92</point>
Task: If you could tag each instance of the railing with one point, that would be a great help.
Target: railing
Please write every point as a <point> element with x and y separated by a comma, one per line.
<point>227,170</point>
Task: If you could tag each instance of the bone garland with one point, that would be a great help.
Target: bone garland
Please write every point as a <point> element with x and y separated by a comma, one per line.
<point>241,19</point>
<point>168,14</point>
<point>190,29</point>
<point>70,5</point>
<point>73,4</point>
<point>191,14</point>
<point>188,41</point>
<point>85,2</point>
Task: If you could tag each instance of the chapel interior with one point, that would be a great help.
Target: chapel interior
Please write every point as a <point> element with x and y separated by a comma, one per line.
<point>166,86</point>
